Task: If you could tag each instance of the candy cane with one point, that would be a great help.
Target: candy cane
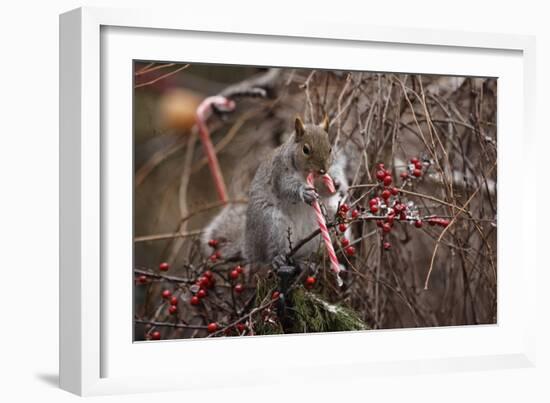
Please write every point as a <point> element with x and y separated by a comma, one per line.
<point>203,111</point>
<point>327,180</point>
<point>323,225</point>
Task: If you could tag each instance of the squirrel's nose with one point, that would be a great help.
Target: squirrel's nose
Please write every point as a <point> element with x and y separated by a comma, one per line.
<point>322,171</point>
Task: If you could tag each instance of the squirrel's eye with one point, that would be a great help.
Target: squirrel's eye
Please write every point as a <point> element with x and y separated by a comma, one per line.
<point>306,149</point>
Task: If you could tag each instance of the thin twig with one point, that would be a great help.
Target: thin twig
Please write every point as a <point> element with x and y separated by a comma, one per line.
<point>446,229</point>
<point>162,77</point>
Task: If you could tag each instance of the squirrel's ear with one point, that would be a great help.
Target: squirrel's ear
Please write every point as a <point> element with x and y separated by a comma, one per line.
<point>299,127</point>
<point>325,123</point>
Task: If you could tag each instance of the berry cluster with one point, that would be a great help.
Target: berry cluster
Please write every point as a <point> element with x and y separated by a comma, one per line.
<point>344,210</point>
<point>143,279</point>
<point>213,243</point>
<point>383,175</point>
<point>345,213</point>
<point>234,276</point>
<point>201,287</point>
<point>386,207</point>
<point>173,302</point>
<point>414,169</point>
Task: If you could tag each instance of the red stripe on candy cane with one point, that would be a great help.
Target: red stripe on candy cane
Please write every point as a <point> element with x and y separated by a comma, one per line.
<point>327,180</point>
<point>325,234</point>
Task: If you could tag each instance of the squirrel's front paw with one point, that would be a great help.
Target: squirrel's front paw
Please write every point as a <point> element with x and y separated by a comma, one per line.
<point>309,195</point>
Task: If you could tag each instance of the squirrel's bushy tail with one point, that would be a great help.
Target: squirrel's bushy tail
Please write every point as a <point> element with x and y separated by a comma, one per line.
<point>228,229</point>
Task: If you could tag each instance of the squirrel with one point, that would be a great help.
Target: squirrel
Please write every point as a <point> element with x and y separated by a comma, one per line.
<point>279,198</point>
<point>279,207</point>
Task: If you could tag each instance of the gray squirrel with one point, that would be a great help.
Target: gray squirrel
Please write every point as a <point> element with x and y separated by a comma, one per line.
<point>280,200</point>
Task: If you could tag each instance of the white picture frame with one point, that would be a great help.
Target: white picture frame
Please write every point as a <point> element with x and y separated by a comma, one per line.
<point>96,355</point>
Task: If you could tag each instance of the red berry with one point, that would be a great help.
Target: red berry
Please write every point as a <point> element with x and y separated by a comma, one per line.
<point>386,245</point>
<point>373,202</point>
<point>204,282</point>
<point>355,213</point>
<point>155,335</point>
<point>404,175</point>
<point>218,254</point>
<point>418,165</point>
<point>386,194</point>
<point>166,294</point>
<point>417,172</point>
<point>275,295</point>
<point>142,279</point>
<point>239,288</point>
<point>213,258</point>
<point>373,209</point>
<point>212,327</point>
<point>202,293</point>
<point>213,243</point>
<point>414,160</point>
<point>350,251</point>
<point>386,227</point>
<point>234,274</point>
<point>344,242</point>
<point>174,301</point>
<point>342,227</point>
<point>380,166</point>
<point>394,191</point>
<point>379,223</point>
<point>239,269</point>
<point>208,274</point>
<point>344,207</point>
<point>441,222</point>
<point>418,224</point>
<point>310,281</point>
<point>380,175</point>
<point>240,327</point>
<point>172,310</point>
<point>390,219</point>
<point>195,300</point>
<point>164,266</point>
<point>387,180</point>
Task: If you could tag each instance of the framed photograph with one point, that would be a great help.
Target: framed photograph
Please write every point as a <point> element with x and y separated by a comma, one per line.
<point>286,200</point>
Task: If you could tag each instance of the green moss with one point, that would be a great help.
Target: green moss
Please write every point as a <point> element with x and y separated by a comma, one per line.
<point>309,313</point>
<point>313,314</point>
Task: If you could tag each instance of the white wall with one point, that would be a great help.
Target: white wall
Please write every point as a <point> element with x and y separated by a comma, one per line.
<point>29,201</point>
